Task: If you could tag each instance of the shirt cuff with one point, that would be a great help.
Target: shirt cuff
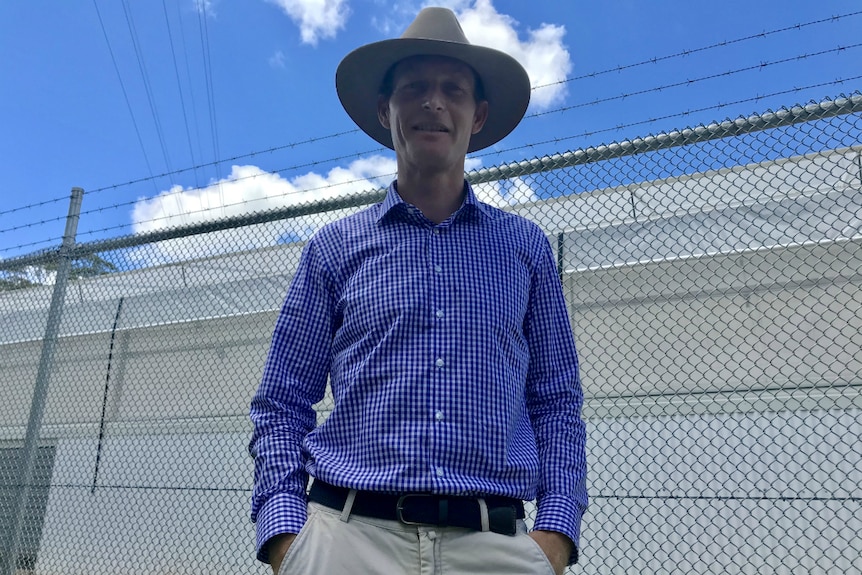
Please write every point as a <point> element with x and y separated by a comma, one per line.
<point>562,514</point>
<point>282,513</point>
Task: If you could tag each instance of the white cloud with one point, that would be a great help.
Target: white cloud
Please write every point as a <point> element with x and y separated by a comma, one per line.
<point>393,16</point>
<point>277,59</point>
<point>39,275</point>
<point>543,54</point>
<point>205,7</point>
<point>316,18</point>
<point>501,193</point>
<point>249,189</point>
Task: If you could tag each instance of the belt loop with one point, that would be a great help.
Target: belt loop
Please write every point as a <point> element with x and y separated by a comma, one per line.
<point>348,505</point>
<point>483,513</point>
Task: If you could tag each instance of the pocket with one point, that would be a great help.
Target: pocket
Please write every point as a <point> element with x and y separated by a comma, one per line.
<point>290,556</point>
<point>541,558</point>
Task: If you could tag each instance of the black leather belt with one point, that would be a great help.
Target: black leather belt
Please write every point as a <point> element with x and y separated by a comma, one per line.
<point>424,508</point>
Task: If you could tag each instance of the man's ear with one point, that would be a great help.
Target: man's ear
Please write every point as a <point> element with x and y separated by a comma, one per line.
<point>383,111</point>
<point>480,116</point>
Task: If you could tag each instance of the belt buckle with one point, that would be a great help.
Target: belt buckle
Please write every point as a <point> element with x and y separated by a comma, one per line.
<point>399,507</point>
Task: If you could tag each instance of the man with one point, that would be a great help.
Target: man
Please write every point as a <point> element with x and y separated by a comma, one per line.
<point>441,325</point>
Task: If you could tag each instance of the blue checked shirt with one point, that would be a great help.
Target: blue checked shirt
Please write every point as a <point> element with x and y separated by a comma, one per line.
<point>451,360</point>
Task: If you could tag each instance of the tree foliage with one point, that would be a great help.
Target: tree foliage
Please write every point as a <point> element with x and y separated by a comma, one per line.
<point>87,266</point>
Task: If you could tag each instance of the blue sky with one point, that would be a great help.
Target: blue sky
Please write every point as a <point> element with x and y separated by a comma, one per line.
<point>245,90</point>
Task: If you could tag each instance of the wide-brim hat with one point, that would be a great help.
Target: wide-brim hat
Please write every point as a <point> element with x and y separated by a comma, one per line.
<point>434,32</point>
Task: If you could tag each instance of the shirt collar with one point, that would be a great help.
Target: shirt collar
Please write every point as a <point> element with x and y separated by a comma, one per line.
<point>471,208</point>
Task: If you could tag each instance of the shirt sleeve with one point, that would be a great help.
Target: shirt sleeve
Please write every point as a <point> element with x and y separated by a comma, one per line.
<point>554,402</point>
<point>282,413</point>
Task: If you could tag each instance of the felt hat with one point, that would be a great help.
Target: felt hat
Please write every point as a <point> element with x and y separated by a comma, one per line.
<point>434,32</point>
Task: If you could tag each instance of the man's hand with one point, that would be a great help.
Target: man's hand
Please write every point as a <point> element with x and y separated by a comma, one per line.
<point>278,547</point>
<point>556,546</point>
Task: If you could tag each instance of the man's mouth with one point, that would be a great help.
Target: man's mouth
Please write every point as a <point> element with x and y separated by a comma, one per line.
<point>430,127</point>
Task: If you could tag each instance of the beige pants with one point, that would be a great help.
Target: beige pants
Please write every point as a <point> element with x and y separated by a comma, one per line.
<point>334,543</point>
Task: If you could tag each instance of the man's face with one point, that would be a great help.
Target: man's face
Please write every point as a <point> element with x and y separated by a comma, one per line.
<point>432,111</point>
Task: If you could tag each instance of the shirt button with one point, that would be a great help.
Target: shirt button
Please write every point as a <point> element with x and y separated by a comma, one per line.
<point>438,268</point>
<point>438,415</point>
<point>439,362</point>
<point>436,231</point>
<point>439,313</point>
<point>439,472</point>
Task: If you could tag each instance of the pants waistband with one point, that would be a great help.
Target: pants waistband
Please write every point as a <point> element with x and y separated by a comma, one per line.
<point>479,513</point>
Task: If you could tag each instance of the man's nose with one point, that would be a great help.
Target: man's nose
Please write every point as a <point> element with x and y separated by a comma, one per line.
<point>433,100</point>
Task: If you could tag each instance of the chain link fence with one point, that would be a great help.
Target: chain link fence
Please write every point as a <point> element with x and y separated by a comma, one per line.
<point>714,282</point>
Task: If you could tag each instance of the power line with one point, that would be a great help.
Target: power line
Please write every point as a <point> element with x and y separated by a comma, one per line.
<point>179,86</point>
<point>146,80</point>
<point>125,95</point>
<point>203,30</point>
<point>191,86</point>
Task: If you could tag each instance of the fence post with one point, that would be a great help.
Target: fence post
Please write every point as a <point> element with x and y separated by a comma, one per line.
<point>43,377</point>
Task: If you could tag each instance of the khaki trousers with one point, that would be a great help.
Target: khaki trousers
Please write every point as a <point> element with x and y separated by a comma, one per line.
<point>335,543</point>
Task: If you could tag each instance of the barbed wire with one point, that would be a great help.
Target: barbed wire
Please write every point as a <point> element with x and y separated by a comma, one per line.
<point>671,116</point>
<point>616,69</point>
<point>170,194</point>
<point>689,82</point>
<point>657,89</point>
<point>686,53</point>
<point>514,148</point>
<point>556,140</point>
<point>182,170</point>
<point>380,176</point>
<point>53,241</point>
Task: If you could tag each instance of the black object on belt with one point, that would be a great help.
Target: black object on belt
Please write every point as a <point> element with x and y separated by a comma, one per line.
<point>424,508</point>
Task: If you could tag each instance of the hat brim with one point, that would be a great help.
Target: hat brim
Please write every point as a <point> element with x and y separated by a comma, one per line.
<point>505,83</point>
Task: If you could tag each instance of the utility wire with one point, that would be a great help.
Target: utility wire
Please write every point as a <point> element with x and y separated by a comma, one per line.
<point>146,80</point>
<point>180,87</point>
<point>191,86</point>
<point>125,96</point>
<point>203,30</point>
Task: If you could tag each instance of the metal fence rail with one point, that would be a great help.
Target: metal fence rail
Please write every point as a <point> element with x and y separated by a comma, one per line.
<point>714,282</point>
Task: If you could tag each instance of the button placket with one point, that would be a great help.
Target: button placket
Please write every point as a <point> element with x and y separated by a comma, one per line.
<point>440,348</point>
